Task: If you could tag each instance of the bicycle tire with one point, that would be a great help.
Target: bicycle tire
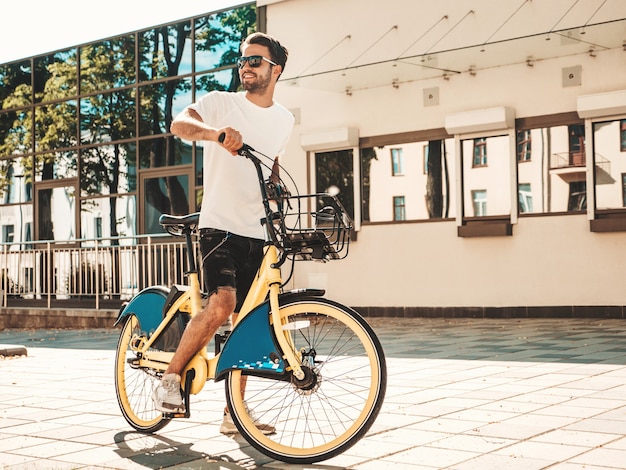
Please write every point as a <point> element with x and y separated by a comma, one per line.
<point>328,416</point>
<point>134,386</point>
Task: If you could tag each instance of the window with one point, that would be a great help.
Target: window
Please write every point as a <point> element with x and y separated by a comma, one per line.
<point>576,144</point>
<point>550,167</point>
<point>624,189</point>
<point>97,222</point>
<point>479,202</point>
<point>523,145</point>
<point>622,135</point>
<point>493,179</point>
<point>609,164</point>
<point>428,184</point>
<point>577,196</point>
<point>397,162</point>
<point>480,152</point>
<point>334,174</point>
<point>399,209</point>
<point>525,198</point>
<point>100,113</point>
<point>7,233</point>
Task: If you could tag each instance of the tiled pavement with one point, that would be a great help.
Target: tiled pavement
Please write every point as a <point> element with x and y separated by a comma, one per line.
<point>462,394</point>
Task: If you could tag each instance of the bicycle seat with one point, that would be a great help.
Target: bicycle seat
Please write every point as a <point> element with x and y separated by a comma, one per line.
<point>179,225</point>
<point>167,220</point>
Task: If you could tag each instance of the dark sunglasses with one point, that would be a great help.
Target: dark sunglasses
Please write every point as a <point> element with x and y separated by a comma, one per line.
<point>253,60</point>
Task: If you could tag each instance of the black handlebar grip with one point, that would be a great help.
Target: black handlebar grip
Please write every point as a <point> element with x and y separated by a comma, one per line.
<point>242,151</point>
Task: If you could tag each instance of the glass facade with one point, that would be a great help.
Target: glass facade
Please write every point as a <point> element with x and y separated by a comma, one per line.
<point>85,147</point>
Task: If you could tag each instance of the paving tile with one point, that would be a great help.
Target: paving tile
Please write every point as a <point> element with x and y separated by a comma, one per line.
<point>462,394</point>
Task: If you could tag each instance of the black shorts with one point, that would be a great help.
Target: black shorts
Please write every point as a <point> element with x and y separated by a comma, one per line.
<point>229,260</point>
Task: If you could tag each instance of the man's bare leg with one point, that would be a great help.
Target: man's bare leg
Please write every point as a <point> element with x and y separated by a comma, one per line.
<point>167,396</point>
<point>202,327</point>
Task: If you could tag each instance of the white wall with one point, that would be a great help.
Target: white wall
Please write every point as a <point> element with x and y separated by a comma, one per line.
<point>551,260</point>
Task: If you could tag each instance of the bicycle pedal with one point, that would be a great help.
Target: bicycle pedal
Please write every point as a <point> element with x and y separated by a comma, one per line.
<point>175,415</point>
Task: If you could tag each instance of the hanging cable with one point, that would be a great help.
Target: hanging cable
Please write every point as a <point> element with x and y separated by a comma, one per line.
<point>444,17</point>
<point>564,15</point>
<point>471,12</point>
<point>324,55</point>
<point>506,21</point>
<point>375,42</point>
<point>594,14</point>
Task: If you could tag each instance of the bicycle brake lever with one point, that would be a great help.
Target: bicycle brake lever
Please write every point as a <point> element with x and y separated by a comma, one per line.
<point>243,151</point>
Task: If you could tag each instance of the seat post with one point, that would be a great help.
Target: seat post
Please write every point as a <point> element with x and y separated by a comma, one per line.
<point>191,258</point>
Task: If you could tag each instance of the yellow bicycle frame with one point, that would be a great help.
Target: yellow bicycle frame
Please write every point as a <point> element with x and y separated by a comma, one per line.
<point>268,279</point>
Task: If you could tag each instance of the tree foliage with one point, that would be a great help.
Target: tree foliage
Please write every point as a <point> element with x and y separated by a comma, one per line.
<point>41,110</point>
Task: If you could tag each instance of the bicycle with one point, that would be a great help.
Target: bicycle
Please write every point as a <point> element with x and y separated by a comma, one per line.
<point>314,369</point>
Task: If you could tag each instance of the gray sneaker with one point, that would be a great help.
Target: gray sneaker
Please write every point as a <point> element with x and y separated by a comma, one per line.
<point>228,425</point>
<point>167,397</point>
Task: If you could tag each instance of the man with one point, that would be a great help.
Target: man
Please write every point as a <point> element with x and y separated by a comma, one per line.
<point>231,236</point>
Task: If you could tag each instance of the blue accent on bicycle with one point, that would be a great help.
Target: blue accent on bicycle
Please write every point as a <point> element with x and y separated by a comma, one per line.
<point>147,306</point>
<point>251,346</point>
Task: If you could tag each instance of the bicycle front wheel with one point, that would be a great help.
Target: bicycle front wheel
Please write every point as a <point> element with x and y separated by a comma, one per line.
<point>328,411</point>
<point>134,385</point>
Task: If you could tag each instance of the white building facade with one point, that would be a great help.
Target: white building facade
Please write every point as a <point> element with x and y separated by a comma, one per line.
<point>525,213</point>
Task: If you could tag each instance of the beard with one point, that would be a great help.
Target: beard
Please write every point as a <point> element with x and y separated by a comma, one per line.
<point>258,85</point>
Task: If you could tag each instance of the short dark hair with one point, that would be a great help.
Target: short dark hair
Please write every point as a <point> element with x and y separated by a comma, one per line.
<point>278,52</point>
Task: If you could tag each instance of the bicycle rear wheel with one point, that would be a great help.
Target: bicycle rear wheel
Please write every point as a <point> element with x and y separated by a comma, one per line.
<point>337,402</point>
<point>134,386</point>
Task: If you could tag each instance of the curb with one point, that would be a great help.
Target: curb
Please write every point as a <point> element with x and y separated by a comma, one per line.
<point>12,350</point>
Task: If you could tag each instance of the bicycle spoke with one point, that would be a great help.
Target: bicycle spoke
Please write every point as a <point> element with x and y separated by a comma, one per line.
<point>337,401</point>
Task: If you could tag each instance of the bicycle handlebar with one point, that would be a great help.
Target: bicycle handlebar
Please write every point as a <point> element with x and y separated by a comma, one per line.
<point>245,149</point>
<point>316,227</point>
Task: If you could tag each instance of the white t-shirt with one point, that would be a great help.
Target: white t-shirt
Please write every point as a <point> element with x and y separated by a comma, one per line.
<point>232,198</point>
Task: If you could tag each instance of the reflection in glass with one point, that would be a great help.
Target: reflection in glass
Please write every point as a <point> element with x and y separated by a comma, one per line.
<point>199,194</point>
<point>486,176</point>
<point>224,80</point>
<point>164,195</point>
<point>19,217</point>
<point>56,166</point>
<point>334,174</point>
<point>428,170</point>
<point>399,208</point>
<point>217,40</point>
<point>609,158</point>
<point>55,76</point>
<point>16,184</point>
<point>160,102</point>
<point>107,217</point>
<point>97,134</point>
<point>15,92</point>
<point>551,166</point>
<point>16,132</point>
<point>107,117</point>
<point>165,51</point>
<point>56,213</point>
<point>108,169</point>
<point>17,222</point>
<point>107,64</point>
<point>55,126</point>
<point>15,83</point>
<point>525,196</point>
<point>163,151</point>
<point>199,164</point>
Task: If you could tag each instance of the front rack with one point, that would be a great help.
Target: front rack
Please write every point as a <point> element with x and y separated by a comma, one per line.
<point>312,227</point>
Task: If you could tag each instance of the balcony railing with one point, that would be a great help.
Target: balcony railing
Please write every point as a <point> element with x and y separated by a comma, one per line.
<point>576,160</point>
<point>88,272</point>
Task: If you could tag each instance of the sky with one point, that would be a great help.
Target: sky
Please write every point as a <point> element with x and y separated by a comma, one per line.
<point>32,27</point>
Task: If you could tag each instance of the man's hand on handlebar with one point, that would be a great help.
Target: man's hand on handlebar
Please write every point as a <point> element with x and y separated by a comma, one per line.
<point>230,139</point>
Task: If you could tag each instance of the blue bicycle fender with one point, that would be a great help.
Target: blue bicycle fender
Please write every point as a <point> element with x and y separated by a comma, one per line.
<point>251,347</point>
<point>147,306</point>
